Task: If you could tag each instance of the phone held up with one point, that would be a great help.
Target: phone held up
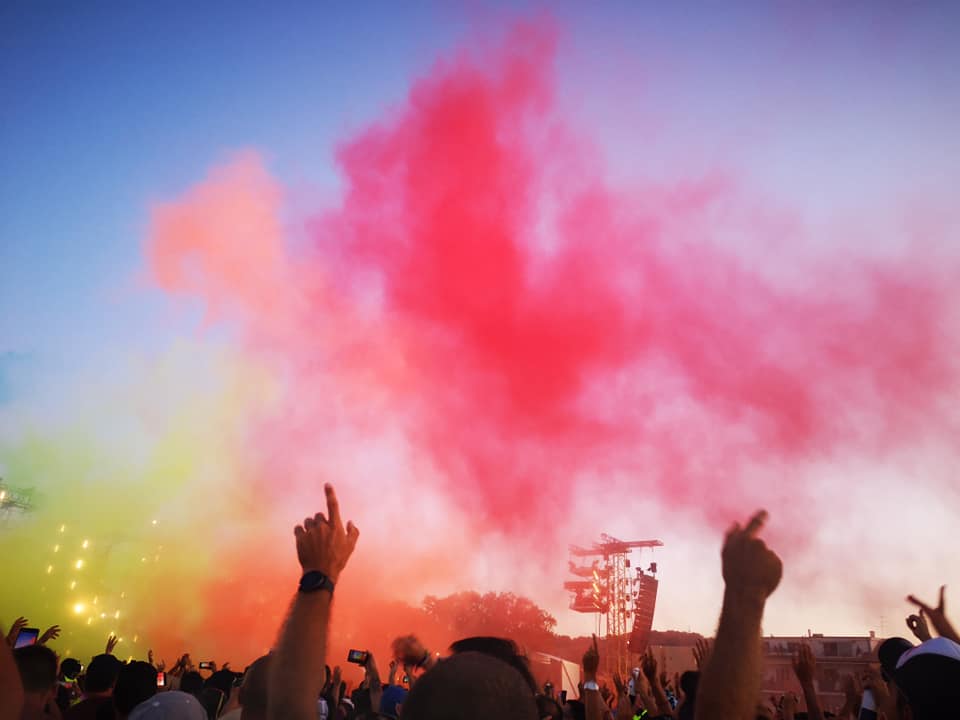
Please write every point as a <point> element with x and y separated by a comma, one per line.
<point>161,679</point>
<point>358,657</point>
<point>26,636</point>
<point>206,665</point>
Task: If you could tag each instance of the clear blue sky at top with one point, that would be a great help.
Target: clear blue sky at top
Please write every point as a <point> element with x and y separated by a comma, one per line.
<point>105,106</point>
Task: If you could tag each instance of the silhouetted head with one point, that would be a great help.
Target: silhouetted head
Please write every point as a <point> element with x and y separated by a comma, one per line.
<point>223,681</point>
<point>102,674</point>
<point>38,669</point>
<point>136,682</point>
<point>502,649</point>
<point>191,683</point>
<point>471,686</point>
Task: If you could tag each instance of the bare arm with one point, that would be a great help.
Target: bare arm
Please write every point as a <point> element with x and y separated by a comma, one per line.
<point>296,675</point>
<point>592,700</point>
<point>730,681</point>
<point>805,667</point>
<point>648,664</point>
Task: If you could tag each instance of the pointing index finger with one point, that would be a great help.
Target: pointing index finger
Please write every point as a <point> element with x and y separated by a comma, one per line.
<point>333,507</point>
<point>756,522</point>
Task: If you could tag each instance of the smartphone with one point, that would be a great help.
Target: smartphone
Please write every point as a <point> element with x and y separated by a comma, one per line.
<point>406,680</point>
<point>27,636</point>
<point>358,656</point>
<point>563,697</point>
<point>161,679</point>
<point>206,665</point>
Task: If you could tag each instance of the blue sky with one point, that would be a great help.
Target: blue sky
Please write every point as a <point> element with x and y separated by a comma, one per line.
<point>111,105</point>
<point>106,107</point>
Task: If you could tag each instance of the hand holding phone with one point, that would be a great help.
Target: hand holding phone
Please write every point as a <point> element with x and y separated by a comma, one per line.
<point>161,679</point>
<point>358,657</point>
<point>207,665</point>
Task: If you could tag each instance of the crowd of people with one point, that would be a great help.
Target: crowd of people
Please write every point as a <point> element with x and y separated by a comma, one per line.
<point>483,678</point>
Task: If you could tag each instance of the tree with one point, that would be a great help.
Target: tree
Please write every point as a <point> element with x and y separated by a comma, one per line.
<point>466,614</point>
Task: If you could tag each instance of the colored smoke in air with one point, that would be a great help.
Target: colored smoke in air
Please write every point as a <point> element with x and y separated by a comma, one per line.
<point>525,325</point>
<point>480,329</point>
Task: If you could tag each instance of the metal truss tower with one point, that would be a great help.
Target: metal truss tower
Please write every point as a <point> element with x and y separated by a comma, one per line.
<point>605,587</point>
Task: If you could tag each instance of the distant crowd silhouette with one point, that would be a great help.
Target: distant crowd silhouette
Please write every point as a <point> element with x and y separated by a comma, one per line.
<point>482,678</point>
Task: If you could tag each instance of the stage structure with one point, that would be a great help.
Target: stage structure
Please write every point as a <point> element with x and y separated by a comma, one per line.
<point>604,585</point>
<point>14,501</point>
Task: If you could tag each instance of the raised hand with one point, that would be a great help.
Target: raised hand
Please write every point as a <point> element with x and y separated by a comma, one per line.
<point>881,693</point>
<point>749,566</point>
<point>701,652</point>
<point>648,664</point>
<point>409,652</point>
<point>804,665</point>
<point>918,626</point>
<point>937,616</point>
<point>323,543</point>
<point>112,641</point>
<point>51,633</point>
<point>19,624</point>
<point>150,657</point>
<point>591,660</point>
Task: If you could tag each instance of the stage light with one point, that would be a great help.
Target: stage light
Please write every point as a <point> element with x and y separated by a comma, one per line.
<point>79,607</point>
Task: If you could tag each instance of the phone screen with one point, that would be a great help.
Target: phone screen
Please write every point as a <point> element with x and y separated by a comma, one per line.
<point>161,679</point>
<point>206,666</point>
<point>357,656</point>
<point>27,636</point>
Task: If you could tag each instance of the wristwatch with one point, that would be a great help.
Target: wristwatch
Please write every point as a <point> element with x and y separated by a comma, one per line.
<point>591,685</point>
<point>315,580</point>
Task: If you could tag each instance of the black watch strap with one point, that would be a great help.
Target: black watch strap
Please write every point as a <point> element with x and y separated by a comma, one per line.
<point>314,580</point>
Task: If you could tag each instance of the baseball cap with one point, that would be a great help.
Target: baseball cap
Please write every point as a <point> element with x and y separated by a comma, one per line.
<point>928,675</point>
<point>173,705</point>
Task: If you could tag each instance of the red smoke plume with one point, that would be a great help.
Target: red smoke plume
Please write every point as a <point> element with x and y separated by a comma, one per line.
<point>523,326</point>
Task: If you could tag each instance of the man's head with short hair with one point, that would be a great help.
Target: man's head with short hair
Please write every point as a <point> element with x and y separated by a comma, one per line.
<point>101,674</point>
<point>191,682</point>
<point>471,686</point>
<point>502,649</point>
<point>223,681</point>
<point>38,674</point>
<point>136,682</point>
<point>38,668</point>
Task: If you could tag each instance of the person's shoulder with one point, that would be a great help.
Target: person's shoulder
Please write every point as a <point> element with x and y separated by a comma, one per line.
<point>86,709</point>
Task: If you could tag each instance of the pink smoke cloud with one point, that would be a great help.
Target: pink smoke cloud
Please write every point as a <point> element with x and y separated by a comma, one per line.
<point>523,324</point>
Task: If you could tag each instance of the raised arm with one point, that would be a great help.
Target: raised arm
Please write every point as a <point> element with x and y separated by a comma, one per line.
<point>805,668</point>
<point>592,700</point>
<point>296,675</point>
<point>730,680</point>
<point>648,664</point>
